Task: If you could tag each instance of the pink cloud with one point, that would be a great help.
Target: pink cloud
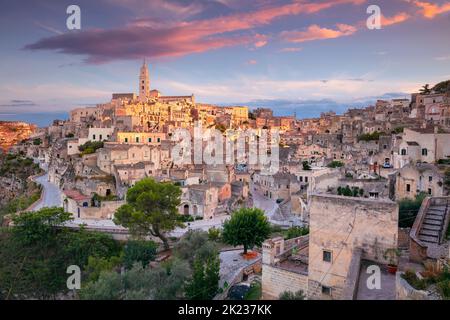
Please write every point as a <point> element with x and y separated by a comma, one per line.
<point>315,32</point>
<point>431,10</point>
<point>291,49</point>
<point>252,62</point>
<point>145,37</point>
<point>398,18</point>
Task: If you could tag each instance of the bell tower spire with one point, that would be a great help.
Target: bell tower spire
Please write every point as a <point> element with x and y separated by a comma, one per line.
<point>144,82</point>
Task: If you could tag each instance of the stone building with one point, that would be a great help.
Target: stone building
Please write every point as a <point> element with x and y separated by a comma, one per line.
<point>425,144</point>
<point>344,231</point>
<point>413,179</point>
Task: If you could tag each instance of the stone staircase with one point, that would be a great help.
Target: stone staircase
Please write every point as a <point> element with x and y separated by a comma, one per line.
<point>433,224</point>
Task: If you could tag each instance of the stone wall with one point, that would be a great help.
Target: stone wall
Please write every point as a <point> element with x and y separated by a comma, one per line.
<point>404,291</point>
<point>275,281</point>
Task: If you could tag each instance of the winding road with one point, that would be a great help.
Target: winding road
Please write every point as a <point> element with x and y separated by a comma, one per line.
<point>51,193</point>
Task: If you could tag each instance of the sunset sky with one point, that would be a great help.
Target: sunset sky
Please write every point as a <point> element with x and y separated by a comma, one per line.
<point>294,55</point>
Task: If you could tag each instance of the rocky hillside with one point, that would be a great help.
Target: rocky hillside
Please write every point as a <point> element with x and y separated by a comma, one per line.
<point>12,132</point>
<point>17,192</point>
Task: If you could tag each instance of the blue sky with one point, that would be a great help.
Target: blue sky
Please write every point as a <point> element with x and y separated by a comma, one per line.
<point>291,55</point>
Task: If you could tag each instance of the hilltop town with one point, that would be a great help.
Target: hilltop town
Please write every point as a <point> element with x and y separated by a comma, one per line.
<point>348,179</point>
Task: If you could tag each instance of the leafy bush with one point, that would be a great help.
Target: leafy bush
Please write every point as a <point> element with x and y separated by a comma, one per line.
<point>408,210</point>
<point>255,292</point>
<point>370,136</point>
<point>214,234</point>
<point>411,277</point>
<point>294,232</point>
<point>289,295</point>
<point>139,251</point>
<point>350,192</point>
<point>90,147</point>
<point>335,164</point>
<point>306,166</point>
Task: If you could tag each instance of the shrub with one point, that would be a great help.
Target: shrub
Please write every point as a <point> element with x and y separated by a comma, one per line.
<point>139,251</point>
<point>214,234</point>
<point>411,277</point>
<point>289,295</point>
<point>294,232</point>
<point>370,136</point>
<point>408,210</point>
<point>90,147</point>
<point>335,164</point>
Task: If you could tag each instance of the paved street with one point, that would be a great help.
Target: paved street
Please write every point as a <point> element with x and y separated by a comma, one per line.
<point>204,225</point>
<point>52,194</point>
<point>259,201</point>
<point>231,264</point>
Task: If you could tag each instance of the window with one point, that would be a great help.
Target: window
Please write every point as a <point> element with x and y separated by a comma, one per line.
<point>408,188</point>
<point>301,179</point>
<point>373,195</point>
<point>424,152</point>
<point>101,137</point>
<point>429,191</point>
<point>327,255</point>
<point>149,140</point>
<point>403,152</point>
<point>137,139</point>
<point>126,140</point>
<point>306,179</point>
<point>93,137</point>
<point>159,140</point>
<point>326,290</point>
<point>430,178</point>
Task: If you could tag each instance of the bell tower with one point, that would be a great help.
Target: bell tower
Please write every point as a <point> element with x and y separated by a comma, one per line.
<point>144,82</point>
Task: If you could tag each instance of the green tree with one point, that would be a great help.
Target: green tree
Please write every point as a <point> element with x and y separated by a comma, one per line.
<point>36,252</point>
<point>204,284</point>
<point>164,282</point>
<point>306,165</point>
<point>151,208</point>
<point>442,87</point>
<point>425,89</point>
<point>195,244</point>
<point>247,227</point>
<point>139,251</point>
<point>109,286</point>
<point>39,227</point>
<point>97,265</point>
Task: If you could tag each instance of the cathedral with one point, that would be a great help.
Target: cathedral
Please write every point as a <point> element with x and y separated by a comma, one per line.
<point>150,110</point>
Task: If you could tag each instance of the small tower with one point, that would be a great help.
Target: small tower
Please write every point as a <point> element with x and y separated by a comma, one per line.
<point>144,83</point>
